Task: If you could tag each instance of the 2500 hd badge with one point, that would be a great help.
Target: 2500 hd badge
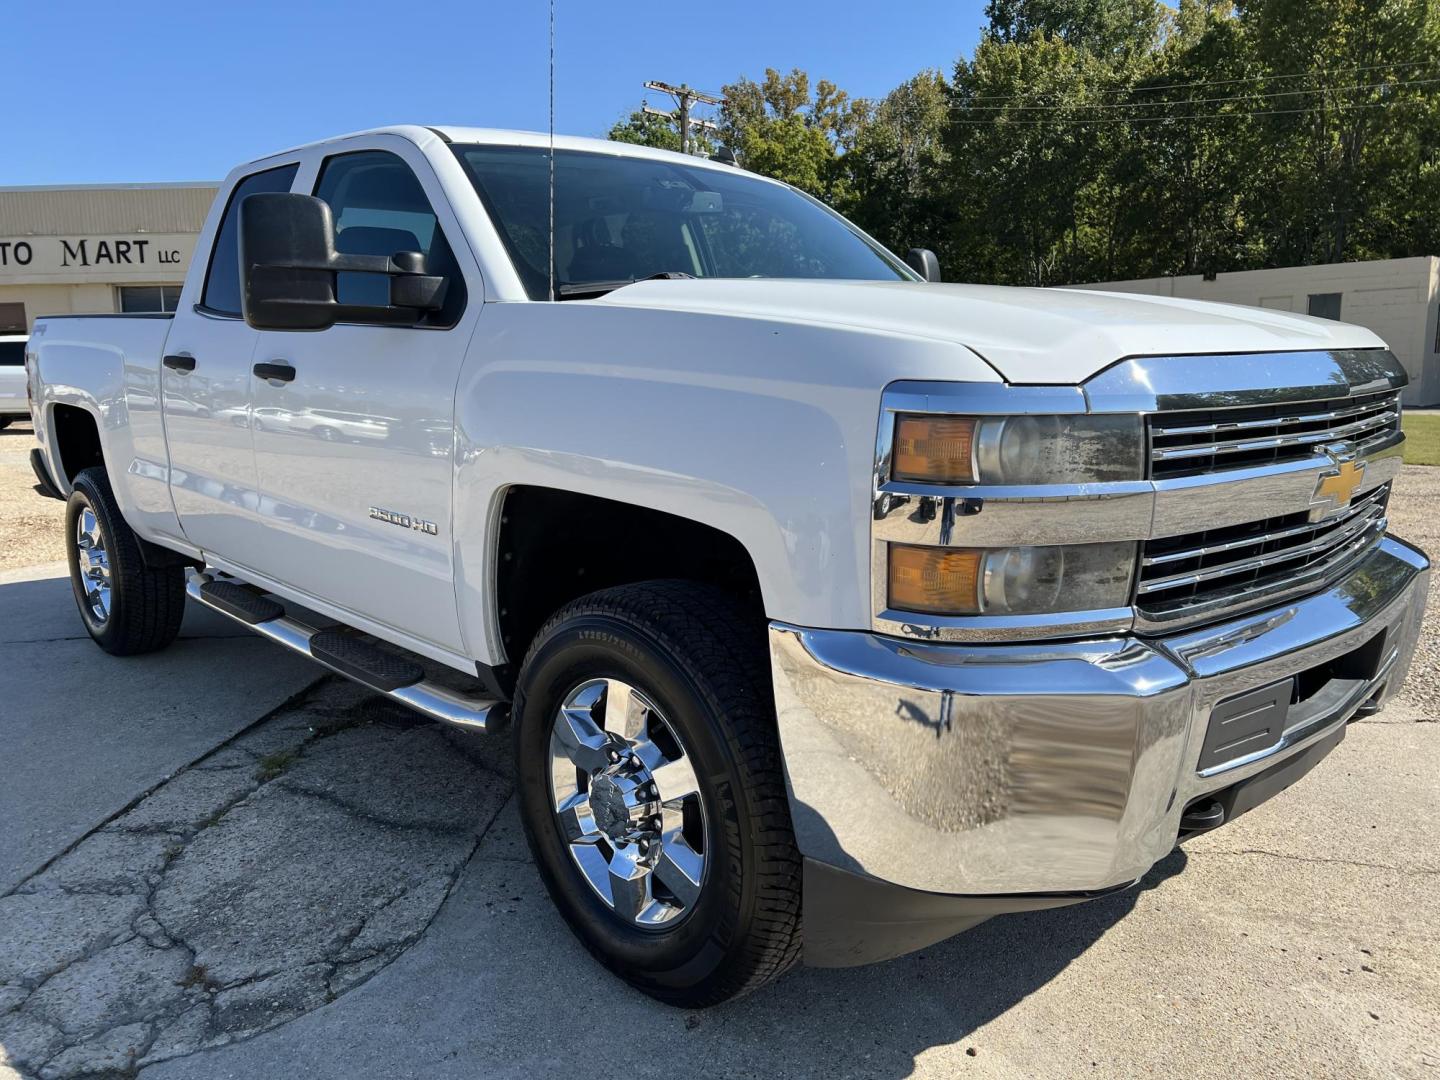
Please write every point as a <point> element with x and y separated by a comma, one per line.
<point>405,521</point>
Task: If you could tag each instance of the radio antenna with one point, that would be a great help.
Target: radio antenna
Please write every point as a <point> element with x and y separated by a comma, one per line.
<point>552,150</point>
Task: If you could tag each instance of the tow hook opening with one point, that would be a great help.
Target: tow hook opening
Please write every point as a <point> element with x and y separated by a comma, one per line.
<point>1370,707</point>
<point>1202,815</point>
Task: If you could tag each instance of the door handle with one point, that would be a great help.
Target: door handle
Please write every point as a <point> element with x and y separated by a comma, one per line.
<point>280,371</point>
<point>179,363</point>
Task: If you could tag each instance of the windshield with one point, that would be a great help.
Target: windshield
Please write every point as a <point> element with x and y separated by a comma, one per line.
<point>622,219</point>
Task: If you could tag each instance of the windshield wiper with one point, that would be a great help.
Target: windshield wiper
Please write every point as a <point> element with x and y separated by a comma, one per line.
<point>581,290</point>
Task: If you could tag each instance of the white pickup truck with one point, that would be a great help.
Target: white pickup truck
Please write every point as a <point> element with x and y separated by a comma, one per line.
<point>834,609</point>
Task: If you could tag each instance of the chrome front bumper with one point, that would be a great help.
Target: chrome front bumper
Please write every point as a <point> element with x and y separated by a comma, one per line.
<point>1055,768</point>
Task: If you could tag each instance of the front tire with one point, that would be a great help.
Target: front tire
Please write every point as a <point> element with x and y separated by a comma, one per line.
<point>127,607</point>
<point>652,792</point>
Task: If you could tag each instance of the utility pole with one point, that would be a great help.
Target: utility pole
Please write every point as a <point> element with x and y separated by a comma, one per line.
<point>684,98</point>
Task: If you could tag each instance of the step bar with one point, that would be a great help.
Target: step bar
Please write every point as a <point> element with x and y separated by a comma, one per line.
<point>481,715</point>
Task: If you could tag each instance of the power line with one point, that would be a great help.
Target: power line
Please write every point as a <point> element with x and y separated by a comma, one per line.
<point>1197,101</point>
<point>684,97</point>
<point>1177,117</point>
<point>667,114</point>
<point>1245,79</point>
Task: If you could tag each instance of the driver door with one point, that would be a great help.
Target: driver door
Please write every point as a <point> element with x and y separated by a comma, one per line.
<point>354,441</point>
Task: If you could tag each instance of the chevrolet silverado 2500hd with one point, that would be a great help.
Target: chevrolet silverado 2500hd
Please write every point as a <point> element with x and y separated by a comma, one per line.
<point>834,609</point>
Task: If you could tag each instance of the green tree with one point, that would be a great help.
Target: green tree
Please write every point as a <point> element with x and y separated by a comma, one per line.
<point>1088,140</point>
<point>646,129</point>
<point>1353,138</point>
<point>649,129</point>
<point>1024,161</point>
<point>780,129</point>
<point>1183,163</point>
<point>896,168</point>
<point>1116,30</point>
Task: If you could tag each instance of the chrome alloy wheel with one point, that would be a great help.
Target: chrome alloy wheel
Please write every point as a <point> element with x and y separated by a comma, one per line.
<point>628,803</point>
<point>94,563</point>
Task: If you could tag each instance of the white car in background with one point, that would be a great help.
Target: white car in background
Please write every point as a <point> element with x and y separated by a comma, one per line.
<point>14,405</point>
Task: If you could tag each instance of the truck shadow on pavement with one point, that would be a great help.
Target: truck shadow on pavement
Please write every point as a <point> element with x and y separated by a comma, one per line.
<point>873,1021</point>
<point>942,994</point>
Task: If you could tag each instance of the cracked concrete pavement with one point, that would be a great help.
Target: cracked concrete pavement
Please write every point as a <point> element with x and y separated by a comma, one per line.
<point>326,886</point>
<point>262,882</point>
<point>95,731</point>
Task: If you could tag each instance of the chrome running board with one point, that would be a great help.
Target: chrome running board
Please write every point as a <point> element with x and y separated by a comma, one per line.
<point>429,698</point>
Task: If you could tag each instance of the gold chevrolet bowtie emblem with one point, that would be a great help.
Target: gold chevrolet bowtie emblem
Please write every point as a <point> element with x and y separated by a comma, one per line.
<point>1336,488</point>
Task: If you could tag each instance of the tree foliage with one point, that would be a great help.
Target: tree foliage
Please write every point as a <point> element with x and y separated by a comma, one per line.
<point>781,128</point>
<point>896,166</point>
<point>1089,140</point>
<point>651,129</point>
<point>647,129</point>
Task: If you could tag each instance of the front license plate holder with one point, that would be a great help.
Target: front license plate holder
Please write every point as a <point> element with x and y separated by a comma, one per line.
<point>1246,724</point>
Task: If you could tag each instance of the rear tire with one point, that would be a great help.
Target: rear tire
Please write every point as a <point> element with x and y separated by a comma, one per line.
<point>5,422</point>
<point>127,607</point>
<point>694,670</point>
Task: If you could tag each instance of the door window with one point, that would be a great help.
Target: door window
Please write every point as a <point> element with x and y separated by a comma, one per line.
<point>222,278</point>
<point>380,208</point>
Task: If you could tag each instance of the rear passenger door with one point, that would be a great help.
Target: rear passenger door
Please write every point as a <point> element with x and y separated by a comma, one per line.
<point>206,383</point>
<point>355,451</point>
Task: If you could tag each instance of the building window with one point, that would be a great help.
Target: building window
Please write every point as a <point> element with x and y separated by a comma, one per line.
<point>148,299</point>
<point>12,319</point>
<point>1325,305</point>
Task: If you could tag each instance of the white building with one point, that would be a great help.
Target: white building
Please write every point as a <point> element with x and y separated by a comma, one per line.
<point>1397,298</point>
<point>95,248</point>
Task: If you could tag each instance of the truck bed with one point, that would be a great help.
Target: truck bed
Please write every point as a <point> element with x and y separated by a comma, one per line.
<point>108,366</point>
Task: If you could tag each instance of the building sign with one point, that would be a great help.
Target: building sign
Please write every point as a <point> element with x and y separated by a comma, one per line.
<point>60,259</point>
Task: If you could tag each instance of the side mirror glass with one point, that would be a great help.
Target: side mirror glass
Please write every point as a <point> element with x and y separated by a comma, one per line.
<point>288,268</point>
<point>924,263</point>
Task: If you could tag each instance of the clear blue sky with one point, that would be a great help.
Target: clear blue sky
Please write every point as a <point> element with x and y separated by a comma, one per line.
<point>105,92</point>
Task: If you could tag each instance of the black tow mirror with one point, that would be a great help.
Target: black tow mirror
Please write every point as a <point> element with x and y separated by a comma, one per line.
<point>924,263</point>
<point>288,266</point>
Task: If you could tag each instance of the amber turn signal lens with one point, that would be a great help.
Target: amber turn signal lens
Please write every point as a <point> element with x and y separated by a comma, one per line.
<point>934,449</point>
<point>941,581</point>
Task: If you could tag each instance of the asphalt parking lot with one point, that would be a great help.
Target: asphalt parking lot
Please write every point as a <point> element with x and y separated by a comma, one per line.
<point>218,862</point>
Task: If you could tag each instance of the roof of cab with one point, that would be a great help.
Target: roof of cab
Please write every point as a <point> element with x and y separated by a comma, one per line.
<point>505,137</point>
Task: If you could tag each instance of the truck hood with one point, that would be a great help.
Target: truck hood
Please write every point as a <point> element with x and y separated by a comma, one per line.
<point>1060,336</point>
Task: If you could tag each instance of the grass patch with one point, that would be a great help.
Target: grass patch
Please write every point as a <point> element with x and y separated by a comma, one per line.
<point>209,820</point>
<point>1422,438</point>
<point>272,765</point>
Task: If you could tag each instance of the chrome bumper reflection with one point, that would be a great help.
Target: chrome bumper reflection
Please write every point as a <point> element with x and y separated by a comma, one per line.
<point>1056,767</point>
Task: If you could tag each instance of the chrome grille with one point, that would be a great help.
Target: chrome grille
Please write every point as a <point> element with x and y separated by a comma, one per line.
<point>1184,574</point>
<point>1190,443</point>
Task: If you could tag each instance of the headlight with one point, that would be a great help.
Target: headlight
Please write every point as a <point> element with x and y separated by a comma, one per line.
<point>1016,450</point>
<point>1010,581</point>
